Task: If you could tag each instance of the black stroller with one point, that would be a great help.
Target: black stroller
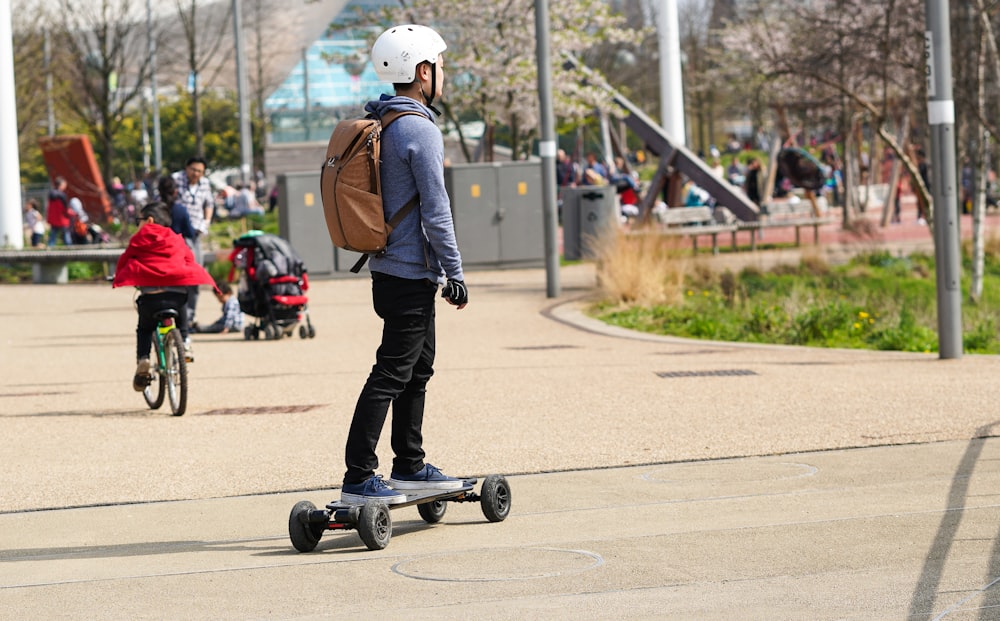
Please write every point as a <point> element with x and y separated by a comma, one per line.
<point>272,286</point>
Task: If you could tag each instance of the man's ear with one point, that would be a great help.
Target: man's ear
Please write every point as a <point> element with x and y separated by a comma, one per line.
<point>424,71</point>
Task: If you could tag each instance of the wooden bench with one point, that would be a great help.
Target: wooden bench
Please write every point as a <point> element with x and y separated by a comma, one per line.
<point>694,222</point>
<point>794,213</point>
<point>49,265</point>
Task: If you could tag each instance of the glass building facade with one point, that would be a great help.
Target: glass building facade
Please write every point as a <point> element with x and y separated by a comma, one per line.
<point>332,81</point>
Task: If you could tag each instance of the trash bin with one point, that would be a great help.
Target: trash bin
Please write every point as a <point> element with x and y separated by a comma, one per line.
<point>588,211</point>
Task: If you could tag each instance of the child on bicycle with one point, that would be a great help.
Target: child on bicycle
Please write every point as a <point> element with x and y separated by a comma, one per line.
<point>161,266</point>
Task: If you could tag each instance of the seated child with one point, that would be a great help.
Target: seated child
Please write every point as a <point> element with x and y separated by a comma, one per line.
<point>232,316</point>
<point>160,264</point>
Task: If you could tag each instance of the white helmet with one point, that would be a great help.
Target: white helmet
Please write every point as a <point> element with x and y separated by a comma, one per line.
<point>399,50</point>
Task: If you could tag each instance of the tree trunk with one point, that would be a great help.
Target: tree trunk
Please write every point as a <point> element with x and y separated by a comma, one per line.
<point>450,115</point>
<point>199,130</point>
<point>892,197</point>
<point>850,178</point>
<point>488,142</point>
<point>979,203</point>
<point>515,142</point>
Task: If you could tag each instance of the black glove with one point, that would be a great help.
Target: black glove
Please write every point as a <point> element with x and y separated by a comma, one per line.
<point>455,292</point>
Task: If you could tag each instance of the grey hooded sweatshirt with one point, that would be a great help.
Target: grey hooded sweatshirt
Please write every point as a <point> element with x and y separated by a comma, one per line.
<point>423,245</point>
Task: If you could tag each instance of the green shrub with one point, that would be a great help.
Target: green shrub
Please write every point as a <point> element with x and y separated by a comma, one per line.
<point>876,301</point>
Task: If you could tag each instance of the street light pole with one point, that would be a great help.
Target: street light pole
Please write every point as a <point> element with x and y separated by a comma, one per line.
<point>941,117</point>
<point>151,42</point>
<point>11,233</point>
<point>547,148</point>
<point>671,83</point>
<point>246,144</point>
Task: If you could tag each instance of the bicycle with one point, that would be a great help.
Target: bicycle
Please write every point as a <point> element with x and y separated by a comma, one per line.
<point>168,371</point>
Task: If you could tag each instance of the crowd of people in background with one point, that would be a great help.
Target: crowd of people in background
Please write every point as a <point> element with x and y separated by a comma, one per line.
<point>747,170</point>
<point>62,218</point>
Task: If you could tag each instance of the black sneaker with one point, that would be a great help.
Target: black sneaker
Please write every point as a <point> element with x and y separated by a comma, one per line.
<point>372,489</point>
<point>427,477</point>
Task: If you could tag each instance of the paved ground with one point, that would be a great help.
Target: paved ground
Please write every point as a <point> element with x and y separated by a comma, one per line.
<point>651,477</point>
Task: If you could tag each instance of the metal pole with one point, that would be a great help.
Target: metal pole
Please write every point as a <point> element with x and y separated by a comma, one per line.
<point>941,117</point>
<point>11,233</point>
<point>49,105</point>
<point>151,41</point>
<point>547,148</point>
<point>145,131</point>
<point>671,84</point>
<point>306,121</point>
<point>246,140</point>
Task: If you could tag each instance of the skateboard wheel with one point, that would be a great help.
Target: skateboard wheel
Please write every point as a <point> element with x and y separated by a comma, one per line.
<point>305,535</point>
<point>495,498</point>
<point>375,525</point>
<point>433,511</point>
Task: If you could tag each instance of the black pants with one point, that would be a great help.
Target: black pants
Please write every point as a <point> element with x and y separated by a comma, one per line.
<point>149,305</point>
<point>192,297</point>
<point>403,364</point>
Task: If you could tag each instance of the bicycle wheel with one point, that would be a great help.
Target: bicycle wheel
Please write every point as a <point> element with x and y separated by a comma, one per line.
<point>176,372</point>
<point>157,387</point>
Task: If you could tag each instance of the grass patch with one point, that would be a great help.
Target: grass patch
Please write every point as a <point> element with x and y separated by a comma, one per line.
<point>876,301</point>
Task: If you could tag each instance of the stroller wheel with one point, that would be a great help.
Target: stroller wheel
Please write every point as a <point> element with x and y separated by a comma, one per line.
<point>303,333</point>
<point>312,332</point>
<point>247,333</point>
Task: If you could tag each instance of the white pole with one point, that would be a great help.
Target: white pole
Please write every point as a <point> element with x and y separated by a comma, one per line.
<point>671,85</point>
<point>11,231</point>
<point>243,89</point>
<point>157,140</point>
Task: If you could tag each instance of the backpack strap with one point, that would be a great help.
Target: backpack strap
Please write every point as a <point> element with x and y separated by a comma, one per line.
<point>393,222</point>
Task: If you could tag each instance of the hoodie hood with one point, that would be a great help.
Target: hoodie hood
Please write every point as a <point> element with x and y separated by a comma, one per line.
<point>386,103</point>
<point>158,257</point>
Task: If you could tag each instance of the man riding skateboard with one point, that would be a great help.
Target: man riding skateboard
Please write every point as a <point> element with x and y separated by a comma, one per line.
<point>421,254</point>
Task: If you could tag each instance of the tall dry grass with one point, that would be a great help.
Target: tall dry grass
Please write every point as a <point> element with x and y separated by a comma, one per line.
<point>639,267</point>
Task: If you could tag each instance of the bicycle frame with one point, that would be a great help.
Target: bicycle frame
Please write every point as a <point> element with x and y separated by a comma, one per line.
<point>163,328</point>
<point>169,370</point>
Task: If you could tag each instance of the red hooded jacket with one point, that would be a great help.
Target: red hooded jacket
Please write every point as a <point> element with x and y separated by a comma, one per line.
<point>158,257</point>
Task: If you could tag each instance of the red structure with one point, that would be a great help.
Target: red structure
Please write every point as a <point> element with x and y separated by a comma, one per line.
<point>72,158</point>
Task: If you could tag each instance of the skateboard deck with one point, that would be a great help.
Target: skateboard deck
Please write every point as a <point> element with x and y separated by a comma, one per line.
<point>416,497</point>
<point>306,524</point>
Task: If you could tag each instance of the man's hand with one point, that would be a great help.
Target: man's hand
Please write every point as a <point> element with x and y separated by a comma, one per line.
<point>456,293</point>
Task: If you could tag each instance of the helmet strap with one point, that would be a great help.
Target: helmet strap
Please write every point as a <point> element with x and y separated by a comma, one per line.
<point>430,100</point>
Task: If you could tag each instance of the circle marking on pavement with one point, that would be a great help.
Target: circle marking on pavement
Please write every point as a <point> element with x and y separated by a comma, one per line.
<point>499,565</point>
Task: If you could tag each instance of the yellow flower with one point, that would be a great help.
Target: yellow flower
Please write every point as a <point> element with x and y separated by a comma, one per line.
<point>862,315</point>
<point>690,292</point>
<point>857,326</point>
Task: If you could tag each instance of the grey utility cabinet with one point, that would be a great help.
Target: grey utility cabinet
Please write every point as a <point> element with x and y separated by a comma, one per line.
<point>498,212</point>
<point>302,223</point>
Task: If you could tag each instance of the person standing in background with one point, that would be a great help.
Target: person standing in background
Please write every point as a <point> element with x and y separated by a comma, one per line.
<point>57,213</point>
<point>194,190</point>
